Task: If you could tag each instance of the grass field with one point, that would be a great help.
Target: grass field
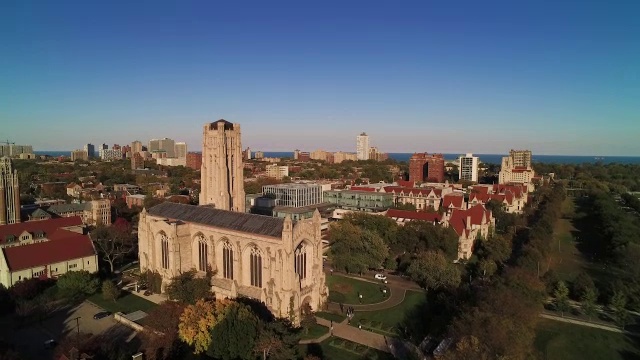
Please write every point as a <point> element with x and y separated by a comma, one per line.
<point>386,321</point>
<point>337,318</point>
<point>340,349</point>
<point>126,303</point>
<point>562,341</point>
<point>345,290</point>
<point>315,332</point>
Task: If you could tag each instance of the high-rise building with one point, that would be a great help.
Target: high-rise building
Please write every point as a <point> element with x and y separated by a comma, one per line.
<point>296,154</point>
<point>520,158</point>
<point>165,145</point>
<point>9,193</point>
<point>136,147</point>
<point>468,168</point>
<point>516,168</point>
<point>362,146</point>
<point>79,155</point>
<point>180,150</point>
<point>90,149</point>
<point>277,172</point>
<point>222,170</point>
<point>425,167</point>
<point>194,160</point>
<point>137,161</point>
<point>259,155</point>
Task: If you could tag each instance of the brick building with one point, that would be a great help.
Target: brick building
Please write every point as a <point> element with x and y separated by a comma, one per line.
<point>194,160</point>
<point>425,167</point>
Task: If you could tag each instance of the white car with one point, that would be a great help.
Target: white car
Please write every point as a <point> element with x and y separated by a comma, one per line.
<point>381,277</point>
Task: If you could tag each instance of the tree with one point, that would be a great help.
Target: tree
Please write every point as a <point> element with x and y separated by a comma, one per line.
<point>354,249</point>
<point>562,297</point>
<point>619,303</point>
<point>277,340</point>
<point>235,334</point>
<point>28,289</point>
<point>110,291</point>
<point>187,288</point>
<point>308,318</point>
<point>581,284</point>
<point>407,206</point>
<point>432,271</point>
<point>163,341</point>
<point>113,242</point>
<point>196,323</point>
<point>550,279</point>
<point>292,311</point>
<point>588,299</point>
<point>468,347</point>
<point>77,283</point>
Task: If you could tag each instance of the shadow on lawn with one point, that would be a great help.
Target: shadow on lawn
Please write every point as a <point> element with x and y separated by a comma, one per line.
<point>430,317</point>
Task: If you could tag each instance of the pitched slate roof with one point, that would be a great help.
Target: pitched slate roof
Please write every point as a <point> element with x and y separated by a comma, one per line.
<point>477,215</point>
<point>453,200</point>
<point>62,245</point>
<point>413,215</point>
<point>249,223</point>
<point>65,208</point>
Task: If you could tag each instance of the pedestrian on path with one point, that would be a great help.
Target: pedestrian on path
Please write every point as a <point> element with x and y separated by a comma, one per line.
<point>341,308</point>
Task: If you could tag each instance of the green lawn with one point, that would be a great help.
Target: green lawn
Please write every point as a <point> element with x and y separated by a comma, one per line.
<point>386,321</point>
<point>337,318</point>
<point>340,349</point>
<point>563,341</point>
<point>345,290</point>
<point>126,303</point>
<point>315,332</point>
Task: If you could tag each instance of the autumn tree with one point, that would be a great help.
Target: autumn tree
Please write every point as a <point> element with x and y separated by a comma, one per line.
<point>110,291</point>
<point>197,320</point>
<point>432,271</point>
<point>235,334</point>
<point>162,342</point>
<point>467,348</point>
<point>113,242</point>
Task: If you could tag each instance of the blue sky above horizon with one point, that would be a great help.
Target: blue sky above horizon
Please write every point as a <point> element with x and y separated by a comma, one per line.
<point>557,77</point>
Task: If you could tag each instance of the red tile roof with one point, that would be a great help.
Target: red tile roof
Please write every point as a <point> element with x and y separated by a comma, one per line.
<point>406,183</point>
<point>476,215</point>
<point>453,200</point>
<point>47,226</point>
<point>414,191</point>
<point>362,188</point>
<point>480,189</point>
<point>63,245</point>
<point>413,215</point>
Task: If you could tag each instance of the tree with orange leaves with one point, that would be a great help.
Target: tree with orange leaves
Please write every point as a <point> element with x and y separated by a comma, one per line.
<point>197,321</point>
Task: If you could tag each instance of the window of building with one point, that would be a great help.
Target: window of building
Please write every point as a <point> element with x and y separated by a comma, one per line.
<point>300,261</point>
<point>164,250</point>
<point>255,260</point>
<point>203,249</point>
<point>227,261</point>
<point>73,266</point>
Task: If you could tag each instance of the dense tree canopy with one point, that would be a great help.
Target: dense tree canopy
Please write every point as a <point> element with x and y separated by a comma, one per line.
<point>354,249</point>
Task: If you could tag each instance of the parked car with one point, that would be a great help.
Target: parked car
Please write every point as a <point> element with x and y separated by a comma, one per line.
<point>381,276</point>
<point>102,314</point>
<point>50,344</point>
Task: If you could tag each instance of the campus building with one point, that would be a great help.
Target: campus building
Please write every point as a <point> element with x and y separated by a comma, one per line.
<point>9,193</point>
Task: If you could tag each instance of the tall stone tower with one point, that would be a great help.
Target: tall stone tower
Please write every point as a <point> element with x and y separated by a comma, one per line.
<point>221,173</point>
<point>9,193</point>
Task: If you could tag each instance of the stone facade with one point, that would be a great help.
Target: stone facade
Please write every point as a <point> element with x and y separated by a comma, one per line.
<point>9,193</point>
<point>222,176</point>
<point>268,259</point>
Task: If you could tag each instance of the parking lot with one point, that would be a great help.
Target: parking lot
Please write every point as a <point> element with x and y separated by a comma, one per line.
<point>30,339</point>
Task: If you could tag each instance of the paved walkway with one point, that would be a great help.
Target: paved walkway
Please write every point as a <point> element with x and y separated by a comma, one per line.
<point>351,333</point>
<point>156,298</point>
<point>586,323</point>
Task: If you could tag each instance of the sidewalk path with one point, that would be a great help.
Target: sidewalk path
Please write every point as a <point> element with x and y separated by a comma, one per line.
<point>586,323</point>
<point>348,332</point>
<point>156,298</point>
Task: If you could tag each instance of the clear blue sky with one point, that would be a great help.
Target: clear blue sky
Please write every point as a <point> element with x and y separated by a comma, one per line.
<point>558,77</point>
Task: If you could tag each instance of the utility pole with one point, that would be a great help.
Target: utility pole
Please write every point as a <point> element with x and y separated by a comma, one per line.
<point>78,330</point>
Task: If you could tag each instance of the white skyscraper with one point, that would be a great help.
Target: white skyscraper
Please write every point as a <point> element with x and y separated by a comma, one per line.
<point>181,150</point>
<point>468,169</point>
<point>362,147</point>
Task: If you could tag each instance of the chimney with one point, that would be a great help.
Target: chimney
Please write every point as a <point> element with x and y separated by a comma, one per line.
<point>468,221</point>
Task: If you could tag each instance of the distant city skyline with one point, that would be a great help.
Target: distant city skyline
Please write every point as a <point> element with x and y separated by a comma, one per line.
<point>560,78</point>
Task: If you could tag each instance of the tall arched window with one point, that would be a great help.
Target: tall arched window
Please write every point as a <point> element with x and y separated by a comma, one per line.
<point>300,261</point>
<point>164,250</point>
<point>203,250</point>
<point>227,261</point>
<point>255,261</point>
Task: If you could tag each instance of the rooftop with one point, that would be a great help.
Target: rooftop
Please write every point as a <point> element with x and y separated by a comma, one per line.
<point>46,226</point>
<point>248,223</point>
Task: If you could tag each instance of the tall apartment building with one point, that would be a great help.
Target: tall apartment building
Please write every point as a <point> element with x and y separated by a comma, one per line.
<point>362,146</point>
<point>181,150</point>
<point>340,156</point>
<point>13,150</point>
<point>110,155</point>
<point>9,193</point>
<point>375,154</point>
<point>137,161</point>
<point>294,195</point>
<point>516,168</point>
<point>468,169</point>
<point>79,155</point>
<point>425,167</point>
<point>246,154</point>
<point>277,172</point>
<point>321,155</point>
<point>90,149</point>
<point>166,145</point>
<point>296,154</point>
<point>136,146</point>
<point>222,178</point>
<point>194,160</point>
<point>259,155</point>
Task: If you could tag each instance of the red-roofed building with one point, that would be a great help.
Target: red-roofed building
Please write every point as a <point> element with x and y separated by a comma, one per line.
<point>403,216</point>
<point>46,248</point>
<point>422,198</point>
<point>453,201</point>
<point>513,197</point>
